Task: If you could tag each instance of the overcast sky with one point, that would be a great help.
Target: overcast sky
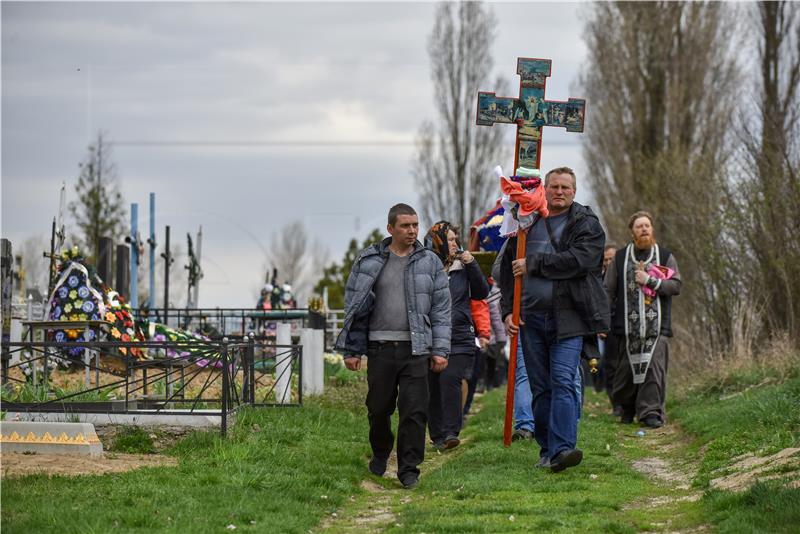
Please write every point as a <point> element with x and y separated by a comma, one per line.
<point>194,97</point>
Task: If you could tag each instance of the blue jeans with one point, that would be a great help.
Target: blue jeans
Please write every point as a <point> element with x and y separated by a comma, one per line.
<point>552,365</point>
<point>523,398</point>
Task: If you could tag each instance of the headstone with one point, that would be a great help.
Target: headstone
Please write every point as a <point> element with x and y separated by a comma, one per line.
<point>105,260</point>
<point>123,270</point>
<point>50,438</point>
<point>6,287</point>
<point>313,343</point>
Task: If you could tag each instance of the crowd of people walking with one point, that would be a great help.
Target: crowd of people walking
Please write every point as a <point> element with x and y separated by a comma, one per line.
<point>434,329</point>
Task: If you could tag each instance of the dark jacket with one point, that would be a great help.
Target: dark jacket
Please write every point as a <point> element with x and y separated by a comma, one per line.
<point>580,303</point>
<point>427,301</point>
<point>465,284</point>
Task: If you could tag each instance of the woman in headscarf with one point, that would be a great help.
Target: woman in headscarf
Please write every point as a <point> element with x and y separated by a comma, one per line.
<point>466,282</point>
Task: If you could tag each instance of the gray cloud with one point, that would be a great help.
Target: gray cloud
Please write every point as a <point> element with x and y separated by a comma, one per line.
<point>242,72</point>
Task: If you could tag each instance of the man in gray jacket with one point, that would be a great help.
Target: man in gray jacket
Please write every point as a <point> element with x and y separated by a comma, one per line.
<point>397,312</point>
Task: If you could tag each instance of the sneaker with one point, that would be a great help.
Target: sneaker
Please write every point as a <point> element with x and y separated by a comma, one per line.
<point>410,480</point>
<point>652,421</point>
<point>566,458</point>
<point>451,442</point>
<point>521,433</point>
<point>377,466</point>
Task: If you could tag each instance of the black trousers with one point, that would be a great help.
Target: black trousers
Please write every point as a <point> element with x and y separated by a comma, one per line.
<point>395,378</point>
<point>445,415</point>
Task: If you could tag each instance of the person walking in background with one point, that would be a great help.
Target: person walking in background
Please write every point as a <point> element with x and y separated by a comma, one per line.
<point>483,330</point>
<point>607,345</point>
<point>466,282</point>
<point>397,312</point>
<point>641,282</point>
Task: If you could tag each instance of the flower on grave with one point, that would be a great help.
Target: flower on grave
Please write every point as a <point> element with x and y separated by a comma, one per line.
<point>67,307</point>
<point>83,317</point>
<point>92,335</point>
<point>73,294</point>
<point>125,337</point>
<point>72,334</point>
<point>115,332</point>
<point>63,292</point>
<point>60,336</point>
<point>129,331</point>
<point>110,317</point>
<point>73,281</point>
<point>128,323</point>
<point>119,315</point>
<point>88,306</point>
<point>57,312</point>
<point>77,304</point>
<point>123,350</point>
<point>83,292</point>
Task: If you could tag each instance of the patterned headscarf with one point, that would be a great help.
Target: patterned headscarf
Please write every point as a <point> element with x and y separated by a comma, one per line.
<point>436,240</point>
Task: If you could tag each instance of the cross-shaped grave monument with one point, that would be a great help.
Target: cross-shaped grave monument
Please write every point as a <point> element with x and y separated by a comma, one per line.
<point>530,112</point>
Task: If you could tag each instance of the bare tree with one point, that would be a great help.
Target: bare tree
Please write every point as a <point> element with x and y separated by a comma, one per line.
<point>767,193</point>
<point>663,87</point>
<point>453,160</point>
<point>99,209</point>
<point>298,258</point>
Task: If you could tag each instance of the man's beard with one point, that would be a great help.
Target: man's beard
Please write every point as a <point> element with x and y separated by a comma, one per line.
<point>644,242</point>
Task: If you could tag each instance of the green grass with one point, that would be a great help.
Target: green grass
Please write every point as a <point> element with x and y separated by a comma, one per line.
<point>761,420</point>
<point>134,440</point>
<point>270,473</point>
<point>285,469</point>
<point>766,507</point>
<point>488,488</point>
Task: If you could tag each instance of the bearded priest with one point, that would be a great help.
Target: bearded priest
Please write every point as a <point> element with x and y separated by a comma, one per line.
<point>641,282</point>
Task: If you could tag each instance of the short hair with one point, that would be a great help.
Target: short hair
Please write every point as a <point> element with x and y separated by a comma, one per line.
<point>399,209</point>
<point>637,215</point>
<point>610,246</point>
<point>562,170</point>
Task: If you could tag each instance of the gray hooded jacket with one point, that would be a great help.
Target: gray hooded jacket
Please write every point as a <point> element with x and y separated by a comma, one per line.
<point>427,301</point>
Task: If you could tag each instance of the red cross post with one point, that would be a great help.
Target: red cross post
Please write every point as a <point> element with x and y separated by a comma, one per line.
<point>530,112</point>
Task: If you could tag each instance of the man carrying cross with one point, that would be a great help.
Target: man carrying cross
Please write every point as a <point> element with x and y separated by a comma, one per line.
<point>641,282</point>
<point>563,300</point>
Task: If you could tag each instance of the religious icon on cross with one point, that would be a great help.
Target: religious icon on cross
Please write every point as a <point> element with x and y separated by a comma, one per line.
<point>530,112</point>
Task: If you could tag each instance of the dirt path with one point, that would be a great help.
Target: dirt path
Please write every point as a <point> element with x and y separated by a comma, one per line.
<point>376,509</point>
<point>20,464</point>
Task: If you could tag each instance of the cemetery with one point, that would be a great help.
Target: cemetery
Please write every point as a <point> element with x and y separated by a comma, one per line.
<point>228,339</point>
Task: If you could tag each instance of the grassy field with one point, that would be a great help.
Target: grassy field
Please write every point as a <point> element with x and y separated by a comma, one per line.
<point>301,470</point>
<point>280,470</point>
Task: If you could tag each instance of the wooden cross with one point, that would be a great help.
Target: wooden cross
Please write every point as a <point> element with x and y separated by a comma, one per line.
<point>530,112</point>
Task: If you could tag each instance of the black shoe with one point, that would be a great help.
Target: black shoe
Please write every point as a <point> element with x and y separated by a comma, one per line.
<point>377,466</point>
<point>410,481</point>
<point>652,421</point>
<point>521,433</point>
<point>438,445</point>
<point>543,463</point>
<point>617,411</point>
<point>451,442</point>
<point>626,418</point>
<point>566,458</point>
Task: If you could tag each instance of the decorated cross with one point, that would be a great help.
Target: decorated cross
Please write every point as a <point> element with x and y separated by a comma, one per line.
<point>530,112</point>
